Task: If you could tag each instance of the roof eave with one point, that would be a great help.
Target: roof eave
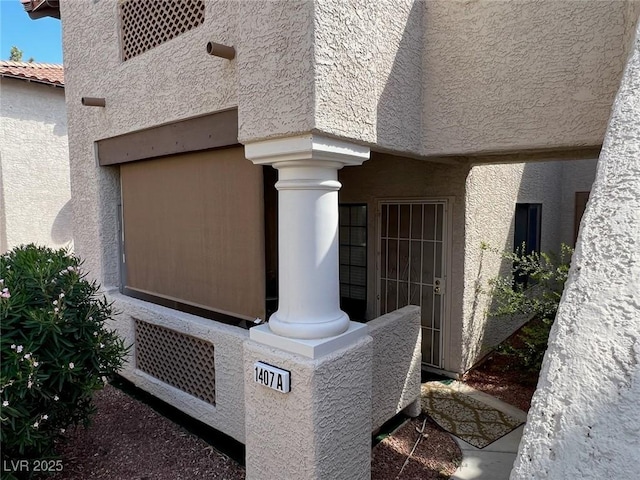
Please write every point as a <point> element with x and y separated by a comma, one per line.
<point>42,8</point>
<point>32,80</point>
<point>47,12</point>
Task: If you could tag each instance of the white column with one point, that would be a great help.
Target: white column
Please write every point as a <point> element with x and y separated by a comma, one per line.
<point>309,299</point>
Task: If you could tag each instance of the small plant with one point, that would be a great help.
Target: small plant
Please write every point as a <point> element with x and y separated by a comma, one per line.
<point>55,350</point>
<point>532,289</point>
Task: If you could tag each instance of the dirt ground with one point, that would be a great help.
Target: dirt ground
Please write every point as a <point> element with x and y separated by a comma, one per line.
<point>511,386</point>
<point>128,440</point>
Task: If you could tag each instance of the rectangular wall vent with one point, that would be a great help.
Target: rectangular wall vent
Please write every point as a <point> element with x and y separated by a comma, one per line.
<point>182,361</point>
<point>145,24</point>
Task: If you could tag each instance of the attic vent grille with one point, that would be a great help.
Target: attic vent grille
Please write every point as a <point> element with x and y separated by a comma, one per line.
<point>180,360</point>
<point>145,24</point>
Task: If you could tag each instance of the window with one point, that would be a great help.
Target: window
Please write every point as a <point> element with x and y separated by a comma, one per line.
<point>353,260</point>
<point>526,238</point>
<point>193,233</point>
<point>527,228</point>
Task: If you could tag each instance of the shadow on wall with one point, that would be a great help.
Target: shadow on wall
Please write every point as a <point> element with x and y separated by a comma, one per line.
<point>62,228</point>
<point>34,114</point>
<point>552,185</point>
<point>540,183</point>
<point>399,112</point>
<point>487,330</point>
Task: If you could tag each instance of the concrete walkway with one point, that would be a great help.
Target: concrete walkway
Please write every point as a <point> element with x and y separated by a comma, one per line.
<point>495,461</point>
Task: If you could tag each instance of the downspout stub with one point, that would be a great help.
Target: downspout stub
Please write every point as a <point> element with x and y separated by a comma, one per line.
<point>93,102</point>
<point>222,51</point>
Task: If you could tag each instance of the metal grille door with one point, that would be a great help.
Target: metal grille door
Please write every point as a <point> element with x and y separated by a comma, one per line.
<point>412,270</point>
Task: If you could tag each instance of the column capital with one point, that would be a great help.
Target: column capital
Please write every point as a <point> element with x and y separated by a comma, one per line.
<point>308,149</point>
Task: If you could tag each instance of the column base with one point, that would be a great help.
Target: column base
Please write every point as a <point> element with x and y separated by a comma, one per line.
<point>308,348</point>
<point>310,330</point>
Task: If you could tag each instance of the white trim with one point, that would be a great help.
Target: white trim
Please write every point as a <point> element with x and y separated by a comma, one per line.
<point>306,147</point>
<point>309,286</point>
<point>312,348</point>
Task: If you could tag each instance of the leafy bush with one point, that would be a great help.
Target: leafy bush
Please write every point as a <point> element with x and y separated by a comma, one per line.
<point>532,289</point>
<point>55,350</point>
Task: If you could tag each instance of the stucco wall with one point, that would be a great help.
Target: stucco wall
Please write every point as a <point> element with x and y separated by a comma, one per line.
<point>396,361</point>
<point>357,54</point>
<point>173,81</point>
<point>492,192</point>
<point>319,430</point>
<point>271,78</point>
<point>440,77</point>
<point>292,75</point>
<point>457,77</point>
<point>388,177</point>
<point>34,165</point>
<point>228,413</point>
<point>584,420</point>
<point>275,67</point>
<point>429,76</point>
<point>270,81</point>
<point>482,199</point>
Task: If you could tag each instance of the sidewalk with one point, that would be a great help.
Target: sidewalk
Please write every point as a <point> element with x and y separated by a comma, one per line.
<point>495,461</point>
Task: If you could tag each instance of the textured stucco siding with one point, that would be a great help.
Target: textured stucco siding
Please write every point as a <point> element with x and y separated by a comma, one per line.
<point>172,81</point>
<point>492,192</point>
<point>360,66</point>
<point>228,413</point>
<point>396,363</point>
<point>518,75</point>
<point>275,68</point>
<point>343,35</point>
<point>388,177</point>
<point>425,78</point>
<point>461,77</point>
<point>34,166</point>
<point>319,430</point>
<point>584,420</point>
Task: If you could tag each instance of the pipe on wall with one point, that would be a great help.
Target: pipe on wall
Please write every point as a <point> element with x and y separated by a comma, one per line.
<point>93,102</point>
<point>222,51</point>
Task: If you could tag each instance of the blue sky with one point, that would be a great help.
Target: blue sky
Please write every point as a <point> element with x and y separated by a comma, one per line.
<point>40,39</point>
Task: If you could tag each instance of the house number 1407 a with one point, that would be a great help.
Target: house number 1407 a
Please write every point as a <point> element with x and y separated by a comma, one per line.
<point>272,377</point>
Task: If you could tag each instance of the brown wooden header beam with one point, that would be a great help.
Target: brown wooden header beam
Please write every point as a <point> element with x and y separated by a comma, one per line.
<point>216,130</point>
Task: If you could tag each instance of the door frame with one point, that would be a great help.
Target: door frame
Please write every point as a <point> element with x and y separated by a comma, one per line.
<point>448,202</point>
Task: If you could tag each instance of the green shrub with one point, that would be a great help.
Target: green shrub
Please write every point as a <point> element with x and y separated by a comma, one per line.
<point>532,289</point>
<point>55,350</point>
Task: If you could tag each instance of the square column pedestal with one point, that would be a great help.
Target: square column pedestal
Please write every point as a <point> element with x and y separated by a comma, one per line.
<point>321,428</point>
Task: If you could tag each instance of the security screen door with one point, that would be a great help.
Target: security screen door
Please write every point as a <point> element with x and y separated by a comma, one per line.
<point>412,267</point>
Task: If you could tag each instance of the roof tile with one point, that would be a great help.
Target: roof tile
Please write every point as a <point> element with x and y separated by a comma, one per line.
<point>37,72</point>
